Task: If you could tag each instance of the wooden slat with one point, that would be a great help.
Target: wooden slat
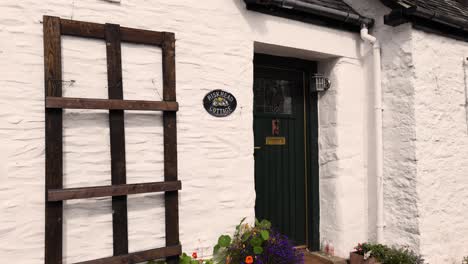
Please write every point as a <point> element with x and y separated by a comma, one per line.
<point>113,35</point>
<point>169,81</point>
<point>170,144</point>
<point>82,29</point>
<point>53,139</point>
<point>141,36</point>
<point>83,103</point>
<point>113,190</point>
<point>139,257</point>
<point>117,139</point>
<point>94,30</point>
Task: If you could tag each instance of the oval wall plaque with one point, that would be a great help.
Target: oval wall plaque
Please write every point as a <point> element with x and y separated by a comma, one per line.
<point>219,103</point>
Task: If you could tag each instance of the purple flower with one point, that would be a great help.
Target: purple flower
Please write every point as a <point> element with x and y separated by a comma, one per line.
<point>280,250</point>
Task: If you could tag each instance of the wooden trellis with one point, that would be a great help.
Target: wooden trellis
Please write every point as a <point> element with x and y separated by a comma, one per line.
<point>55,194</point>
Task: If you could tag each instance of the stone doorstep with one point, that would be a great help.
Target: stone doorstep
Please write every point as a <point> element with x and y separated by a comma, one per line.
<point>320,258</point>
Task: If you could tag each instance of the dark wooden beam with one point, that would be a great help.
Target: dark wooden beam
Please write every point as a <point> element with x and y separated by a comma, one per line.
<point>110,104</point>
<point>141,36</point>
<point>139,257</point>
<point>113,190</point>
<point>53,140</point>
<point>82,29</point>
<point>97,31</point>
<point>54,27</point>
<point>170,144</point>
<point>117,138</point>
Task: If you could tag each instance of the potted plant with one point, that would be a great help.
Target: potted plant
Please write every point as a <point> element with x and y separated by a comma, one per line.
<point>366,253</point>
<point>256,243</point>
<point>250,244</point>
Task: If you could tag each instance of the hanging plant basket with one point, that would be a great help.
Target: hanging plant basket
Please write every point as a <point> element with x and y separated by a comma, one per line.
<point>355,258</point>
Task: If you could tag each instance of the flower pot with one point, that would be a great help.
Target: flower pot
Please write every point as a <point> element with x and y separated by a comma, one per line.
<point>355,258</point>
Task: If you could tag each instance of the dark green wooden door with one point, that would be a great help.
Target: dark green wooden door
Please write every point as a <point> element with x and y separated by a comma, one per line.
<point>280,149</point>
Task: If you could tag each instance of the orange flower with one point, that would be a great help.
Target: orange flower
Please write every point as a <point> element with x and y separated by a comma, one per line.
<point>249,260</point>
<point>194,255</point>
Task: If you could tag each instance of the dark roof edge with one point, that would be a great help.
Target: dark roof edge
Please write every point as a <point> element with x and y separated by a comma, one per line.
<point>427,20</point>
<point>351,19</point>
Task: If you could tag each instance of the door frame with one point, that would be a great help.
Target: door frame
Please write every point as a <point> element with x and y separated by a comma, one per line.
<point>311,137</point>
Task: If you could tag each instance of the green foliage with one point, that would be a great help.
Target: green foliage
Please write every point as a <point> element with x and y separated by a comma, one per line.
<point>402,256</point>
<point>388,255</point>
<point>185,259</point>
<point>265,234</point>
<point>224,241</point>
<point>377,251</point>
<point>246,241</point>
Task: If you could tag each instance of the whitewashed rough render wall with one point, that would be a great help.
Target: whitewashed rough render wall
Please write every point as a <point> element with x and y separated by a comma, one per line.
<point>215,165</point>
<point>441,145</point>
<point>343,160</point>
<point>400,197</point>
<point>425,138</point>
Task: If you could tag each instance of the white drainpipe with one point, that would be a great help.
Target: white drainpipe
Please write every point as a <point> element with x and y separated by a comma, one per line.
<point>377,129</point>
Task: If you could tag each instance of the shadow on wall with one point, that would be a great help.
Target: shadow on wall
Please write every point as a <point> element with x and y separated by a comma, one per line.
<point>249,16</point>
<point>258,21</point>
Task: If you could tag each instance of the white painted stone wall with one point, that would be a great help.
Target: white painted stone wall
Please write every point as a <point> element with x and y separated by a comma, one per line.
<point>425,128</point>
<point>400,196</point>
<point>425,139</point>
<point>215,47</point>
<point>440,106</point>
<point>342,143</point>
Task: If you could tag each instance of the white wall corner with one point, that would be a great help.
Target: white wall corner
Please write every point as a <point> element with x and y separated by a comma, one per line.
<point>342,154</point>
